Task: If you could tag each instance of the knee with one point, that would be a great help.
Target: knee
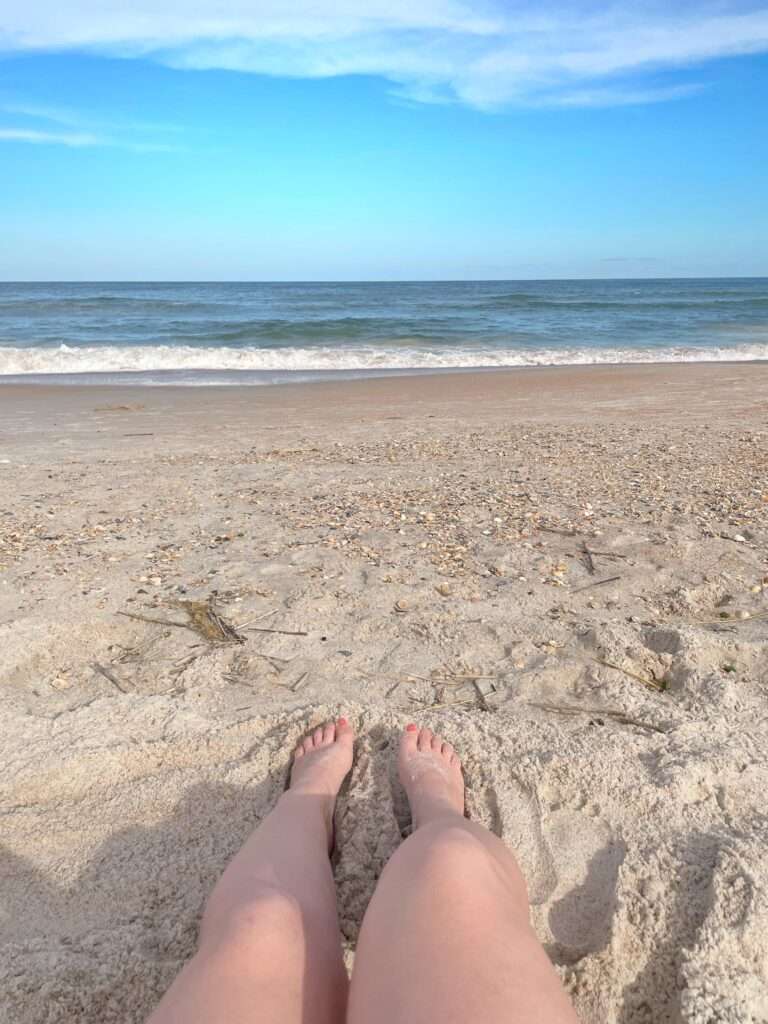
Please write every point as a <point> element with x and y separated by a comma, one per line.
<point>448,851</point>
<point>465,854</point>
<point>268,915</point>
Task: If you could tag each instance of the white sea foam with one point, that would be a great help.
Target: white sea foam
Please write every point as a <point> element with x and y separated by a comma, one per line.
<point>143,358</point>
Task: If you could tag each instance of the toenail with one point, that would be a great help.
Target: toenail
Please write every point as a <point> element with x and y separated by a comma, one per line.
<point>412,727</point>
<point>343,721</point>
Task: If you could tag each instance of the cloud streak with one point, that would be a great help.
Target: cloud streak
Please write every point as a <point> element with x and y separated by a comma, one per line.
<point>70,129</point>
<point>75,140</point>
<point>486,54</point>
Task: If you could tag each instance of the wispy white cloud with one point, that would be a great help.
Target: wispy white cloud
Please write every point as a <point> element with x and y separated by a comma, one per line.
<point>58,115</point>
<point>485,53</point>
<point>620,96</point>
<point>79,119</point>
<point>80,130</point>
<point>74,139</point>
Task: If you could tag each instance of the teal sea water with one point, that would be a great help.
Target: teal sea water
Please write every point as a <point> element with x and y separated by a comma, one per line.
<point>265,333</point>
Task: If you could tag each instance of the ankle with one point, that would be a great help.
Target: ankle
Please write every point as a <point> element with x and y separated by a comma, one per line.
<point>317,807</point>
<point>308,803</point>
<point>429,809</point>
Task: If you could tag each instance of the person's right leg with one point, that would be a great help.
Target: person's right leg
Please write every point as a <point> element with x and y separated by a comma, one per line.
<point>270,948</point>
<point>447,935</point>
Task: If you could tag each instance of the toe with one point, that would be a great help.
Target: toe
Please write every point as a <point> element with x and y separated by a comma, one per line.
<point>447,751</point>
<point>437,744</point>
<point>344,732</point>
<point>317,736</point>
<point>309,746</point>
<point>425,740</point>
<point>299,751</point>
<point>409,739</point>
<point>329,733</point>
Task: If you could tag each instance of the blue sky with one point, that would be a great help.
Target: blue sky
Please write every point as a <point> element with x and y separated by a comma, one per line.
<point>264,141</point>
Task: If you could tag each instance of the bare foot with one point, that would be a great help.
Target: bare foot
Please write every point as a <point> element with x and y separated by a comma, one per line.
<point>430,771</point>
<point>322,759</point>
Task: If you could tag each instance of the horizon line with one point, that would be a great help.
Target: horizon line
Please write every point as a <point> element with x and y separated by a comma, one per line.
<point>382,280</point>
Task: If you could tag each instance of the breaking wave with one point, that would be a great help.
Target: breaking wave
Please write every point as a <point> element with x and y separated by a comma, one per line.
<point>112,359</point>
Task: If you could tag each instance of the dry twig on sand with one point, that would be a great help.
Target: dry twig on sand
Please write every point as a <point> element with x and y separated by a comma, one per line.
<point>109,676</point>
<point>588,560</point>
<point>616,715</point>
<point>74,707</point>
<point>596,583</point>
<point>448,703</point>
<point>652,684</point>
<point>206,621</point>
<point>230,677</point>
<point>138,651</point>
<point>156,622</point>
<point>278,664</point>
<point>449,680</point>
<point>256,618</point>
<point>203,619</point>
<point>300,683</point>
<point>282,632</point>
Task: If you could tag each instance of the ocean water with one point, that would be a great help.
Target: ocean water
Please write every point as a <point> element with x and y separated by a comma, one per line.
<point>266,333</point>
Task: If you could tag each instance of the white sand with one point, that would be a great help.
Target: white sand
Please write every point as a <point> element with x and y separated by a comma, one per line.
<point>399,525</point>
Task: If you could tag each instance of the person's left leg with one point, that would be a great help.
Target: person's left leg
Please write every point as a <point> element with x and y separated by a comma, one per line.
<point>270,947</point>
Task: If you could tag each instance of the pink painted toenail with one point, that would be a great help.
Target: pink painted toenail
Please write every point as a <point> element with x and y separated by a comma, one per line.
<point>412,727</point>
<point>343,721</point>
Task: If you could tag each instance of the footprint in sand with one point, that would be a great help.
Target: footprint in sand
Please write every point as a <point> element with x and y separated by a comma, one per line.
<point>516,818</point>
<point>582,904</point>
<point>571,863</point>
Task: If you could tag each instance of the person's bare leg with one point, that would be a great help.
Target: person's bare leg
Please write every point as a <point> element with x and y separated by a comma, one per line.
<point>270,948</point>
<point>447,935</point>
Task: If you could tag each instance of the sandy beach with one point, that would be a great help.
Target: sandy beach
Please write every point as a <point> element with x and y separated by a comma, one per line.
<point>564,571</point>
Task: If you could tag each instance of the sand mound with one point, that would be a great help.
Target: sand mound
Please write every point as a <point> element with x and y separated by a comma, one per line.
<point>643,849</point>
